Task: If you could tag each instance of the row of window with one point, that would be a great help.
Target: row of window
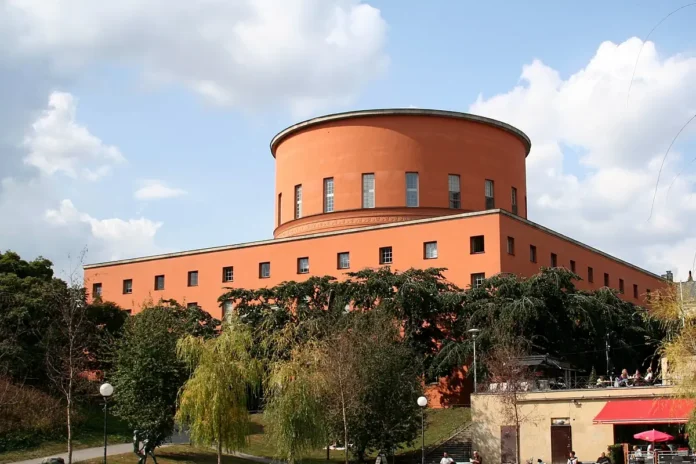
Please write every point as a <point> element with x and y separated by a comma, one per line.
<point>553,262</point>
<point>477,245</point>
<point>412,194</point>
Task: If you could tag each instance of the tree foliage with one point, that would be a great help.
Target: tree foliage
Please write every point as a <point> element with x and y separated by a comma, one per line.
<point>213,401</point>
<point>148,374</point>
<point>553,317</point>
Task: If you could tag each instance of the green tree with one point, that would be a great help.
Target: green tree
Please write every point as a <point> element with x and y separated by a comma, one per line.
<point>213,401</point>
<point>147,373</point>
<point>296,411</point>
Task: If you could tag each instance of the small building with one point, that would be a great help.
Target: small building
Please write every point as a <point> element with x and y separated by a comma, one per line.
<point>585,420</point>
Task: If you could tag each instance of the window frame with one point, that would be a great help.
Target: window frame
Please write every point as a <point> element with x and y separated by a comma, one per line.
<point>338,259</point>
<point>425,250</point>
<point>511,245</point>
<point>554,260</point>
<point>635,291</point>
<point>412,190</point>
<point>95,286</point>
<point>261,267</point>
<point>369,194</point>
<point>382,255</point>
<point>533,254</point>
<point>513,199</point>
<point>622,286</point>
<point>454,196</point>
<point>475,279</point>
<point>224,273</point>
<point>473,240</point>
<point>490,200</point>
<point>329,196</point>
<point>590,274</point>
<point>189,279</point>
<point>157,287</point>
<point>300,262</point>
<point>225,309</point>
<point>298,201</point>
<point>127,286</point>
<point>607,280</point>
<point>573,267</point>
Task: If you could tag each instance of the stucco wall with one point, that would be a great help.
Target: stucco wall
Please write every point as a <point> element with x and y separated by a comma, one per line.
<point>538,409</point>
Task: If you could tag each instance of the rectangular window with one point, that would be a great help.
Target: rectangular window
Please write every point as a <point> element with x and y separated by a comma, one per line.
<point>477,244</point>
<point>606,279</point>
<point>635,291</point>
<point>385,255</point>
<point>193,279</point>
<point>96,290</point>
<point>228,274</point>
<point>193,304</point>
<point>647,295</point>
<point>227,307</point>
<point>303,265</point>
<point>590,275</point>
<point>264,270</point>
<point>328,195</point>
<point>280,206</point>
<point>532,254</point>
<point>554,260</point>
<point>621,286</point>
<point>511,245</point>
<point>128,286</point>
<point>477,279</point>
<point>368,190</point>
<point>343,260</point>
<point>159,282</point>
<point>455,195</point>
<point>514,200</point>
<point>430,250</point>
<point>490,194</point>
<point>412,189</point>
<point>572,266</point>
<point>298,201</point>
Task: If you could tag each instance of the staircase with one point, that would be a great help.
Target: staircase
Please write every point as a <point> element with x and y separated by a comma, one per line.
<point>457,446</point>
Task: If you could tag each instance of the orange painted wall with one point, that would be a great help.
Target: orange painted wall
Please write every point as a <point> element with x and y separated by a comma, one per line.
<point>407,241</point>
<point>390,146</point>
<point>567,250</point>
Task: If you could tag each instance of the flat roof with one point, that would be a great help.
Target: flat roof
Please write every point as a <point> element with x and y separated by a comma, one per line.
<point>364,229</point>
<point>399,112</point>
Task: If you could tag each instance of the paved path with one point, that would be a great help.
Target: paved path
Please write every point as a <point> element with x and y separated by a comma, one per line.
<point>93,453</point>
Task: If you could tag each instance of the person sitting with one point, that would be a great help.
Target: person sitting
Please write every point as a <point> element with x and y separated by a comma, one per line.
<point>637,451</point>
<point>572,459</point>
<point>600,381</point>
<point>623,380</point>
<point>649,376</point>
<point>603,459</point>
<point>476,459</point>
<point>637,378</point>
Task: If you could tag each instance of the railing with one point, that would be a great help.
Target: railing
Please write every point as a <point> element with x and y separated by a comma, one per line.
<point>573,383</point>
<point>663,457</point>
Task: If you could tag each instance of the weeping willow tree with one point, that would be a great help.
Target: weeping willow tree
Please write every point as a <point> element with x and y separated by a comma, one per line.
<point>213,402</point>
<point>295,411</point>
<point>674,308</point>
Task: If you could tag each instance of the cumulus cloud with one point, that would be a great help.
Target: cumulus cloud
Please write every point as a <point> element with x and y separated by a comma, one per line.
<point>596,154</point>
<point>56,143</point>
<point>156,190</point>
<point>307,54</point>
<point>116,238</point>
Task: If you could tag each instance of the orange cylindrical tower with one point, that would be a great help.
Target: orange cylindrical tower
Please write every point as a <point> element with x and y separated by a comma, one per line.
<point>364,168</point>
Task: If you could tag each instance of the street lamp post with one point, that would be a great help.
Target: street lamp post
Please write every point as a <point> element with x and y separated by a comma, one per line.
<point>422,402</point>
<point>473,333</point>
<point>105,390</point>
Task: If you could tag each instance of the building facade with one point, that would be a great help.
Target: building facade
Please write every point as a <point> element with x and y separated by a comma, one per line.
<point>402,188</point>
<point>554,422</point>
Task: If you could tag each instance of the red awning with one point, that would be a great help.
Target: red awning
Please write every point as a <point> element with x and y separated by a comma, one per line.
<point>647,411</point>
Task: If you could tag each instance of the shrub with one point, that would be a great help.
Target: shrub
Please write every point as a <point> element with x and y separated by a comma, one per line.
<point>616,454</point>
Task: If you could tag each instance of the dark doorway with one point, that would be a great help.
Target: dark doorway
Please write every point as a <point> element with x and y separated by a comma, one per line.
<point>508,444</point>
<point>561,443</point>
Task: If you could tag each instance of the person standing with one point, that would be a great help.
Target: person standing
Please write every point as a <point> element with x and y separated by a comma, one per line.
<point>477,458</point>
<point>572,459</point>
<point>446,459</point>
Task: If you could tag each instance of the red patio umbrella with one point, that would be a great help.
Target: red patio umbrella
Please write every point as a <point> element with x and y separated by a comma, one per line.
<point>653,436</point>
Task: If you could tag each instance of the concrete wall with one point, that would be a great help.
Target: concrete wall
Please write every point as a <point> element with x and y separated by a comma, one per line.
<point>537,410</point>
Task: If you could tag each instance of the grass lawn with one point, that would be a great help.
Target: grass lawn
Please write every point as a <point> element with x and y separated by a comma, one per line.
<point>87,435</point>
<point>440,423</point>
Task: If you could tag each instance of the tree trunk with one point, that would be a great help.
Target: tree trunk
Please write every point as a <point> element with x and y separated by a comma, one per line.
<point>219,451</point>
<point>69,423</point>
<point>343,410</point>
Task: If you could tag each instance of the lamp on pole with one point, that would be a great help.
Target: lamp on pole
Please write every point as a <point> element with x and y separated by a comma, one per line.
<point>422,402</point>
<point>105,390</point>
<point>473,333</point>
